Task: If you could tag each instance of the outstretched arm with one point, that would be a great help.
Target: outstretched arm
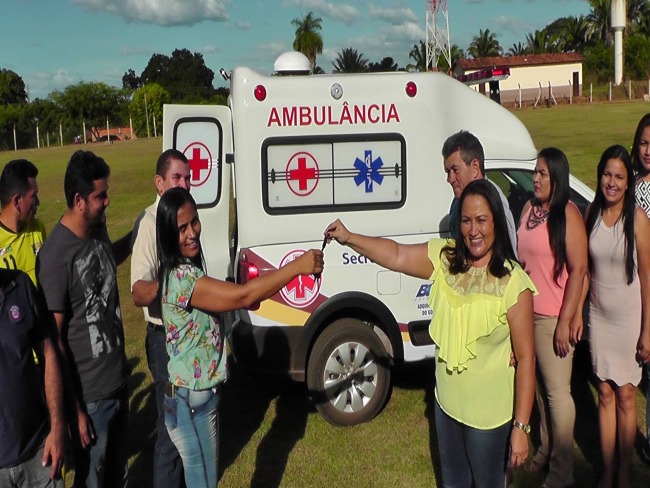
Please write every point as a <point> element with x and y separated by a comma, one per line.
<point>410,259</point>
<point>214,296</point>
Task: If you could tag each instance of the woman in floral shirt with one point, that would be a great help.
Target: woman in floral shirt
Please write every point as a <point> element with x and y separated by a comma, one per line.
<point>195,337</point>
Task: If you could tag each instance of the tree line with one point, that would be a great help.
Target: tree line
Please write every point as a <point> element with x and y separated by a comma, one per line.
<point>184,77</point>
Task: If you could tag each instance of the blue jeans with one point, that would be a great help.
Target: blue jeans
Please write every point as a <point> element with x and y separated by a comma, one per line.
<point>192,420</point>
<point>105,463</point>
<point>167,463</point>
<point>29,474</point>
<point>471,455</point>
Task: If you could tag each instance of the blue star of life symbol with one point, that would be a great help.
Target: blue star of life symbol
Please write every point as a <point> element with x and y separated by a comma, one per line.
<point>368,171</point>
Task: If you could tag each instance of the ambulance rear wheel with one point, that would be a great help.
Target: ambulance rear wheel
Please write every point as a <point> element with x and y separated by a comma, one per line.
<point>348,373</point>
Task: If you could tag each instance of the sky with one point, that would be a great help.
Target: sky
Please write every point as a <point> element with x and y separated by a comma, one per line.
<point>55,43</point>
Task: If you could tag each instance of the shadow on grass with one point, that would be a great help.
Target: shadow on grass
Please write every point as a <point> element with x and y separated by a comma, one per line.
<point>246,400</point>
<point>142,427</point>
<point>421,376</point>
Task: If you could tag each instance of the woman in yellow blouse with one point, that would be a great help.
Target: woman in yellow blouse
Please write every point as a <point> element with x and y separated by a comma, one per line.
<point>482,304</point>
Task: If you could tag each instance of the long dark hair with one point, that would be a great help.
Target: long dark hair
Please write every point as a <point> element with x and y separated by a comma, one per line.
<point>558,172</point>
<point>458,255</point>
<point>169,253</point>
<point>629,206</point>
<point>637,166</point>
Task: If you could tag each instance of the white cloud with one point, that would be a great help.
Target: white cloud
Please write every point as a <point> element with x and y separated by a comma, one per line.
<point>134,51</point>
<point>513,25</point>
<point>342,13</point>
<point>41,84</point>
<point>395,16</point>
<point>243,25</point>
<point>209,49</point>
<point>161,12</point>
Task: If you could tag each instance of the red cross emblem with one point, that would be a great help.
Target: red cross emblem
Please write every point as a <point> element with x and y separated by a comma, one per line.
<point>302,174</point>
<point>303,289</point>
<point>200,161</point>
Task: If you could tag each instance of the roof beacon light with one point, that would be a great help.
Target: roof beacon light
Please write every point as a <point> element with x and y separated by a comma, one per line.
<point>260,93</point>
<point>411,89</point>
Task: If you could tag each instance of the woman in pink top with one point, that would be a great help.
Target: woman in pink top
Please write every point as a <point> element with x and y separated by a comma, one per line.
<point>558,270</point>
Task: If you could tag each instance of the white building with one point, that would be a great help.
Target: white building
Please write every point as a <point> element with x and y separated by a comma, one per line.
<point>527,73</point>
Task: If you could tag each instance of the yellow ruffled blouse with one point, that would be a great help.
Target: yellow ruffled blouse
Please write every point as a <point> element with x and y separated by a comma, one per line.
<point>474,379</point>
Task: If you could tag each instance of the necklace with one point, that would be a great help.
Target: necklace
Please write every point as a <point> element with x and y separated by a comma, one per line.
<point>536,217</point>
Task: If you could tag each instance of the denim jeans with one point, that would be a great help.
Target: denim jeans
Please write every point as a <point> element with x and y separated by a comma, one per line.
<point>471,455</point>
<point>105,463</point>
<point>192,420</point>
<point>167,463</point>
<point>29,474</point>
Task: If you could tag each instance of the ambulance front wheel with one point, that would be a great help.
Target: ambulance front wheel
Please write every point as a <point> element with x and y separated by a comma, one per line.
<point>348,373</point>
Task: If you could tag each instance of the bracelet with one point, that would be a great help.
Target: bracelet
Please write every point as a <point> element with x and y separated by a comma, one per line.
<point>519,425</point>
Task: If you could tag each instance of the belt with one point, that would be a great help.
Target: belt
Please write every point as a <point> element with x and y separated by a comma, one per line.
<point>170,389</point>
<point>156,327</point>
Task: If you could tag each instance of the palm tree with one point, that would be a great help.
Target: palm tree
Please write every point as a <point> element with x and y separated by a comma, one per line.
<point>386,64</point>
<point>599,21</point>
<point>308,39</point>
<point>419,55</point>
<point>517,50</point>
<point>456,54</point>
<point>638,15</point>
<point>573,33</point>
<point>350,61</point>
<point>542,41</point>
<point>484,45</point>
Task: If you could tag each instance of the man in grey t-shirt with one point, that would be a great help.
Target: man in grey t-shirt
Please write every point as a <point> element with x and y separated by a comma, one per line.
<point>76,269</point>
<point>464,162</point>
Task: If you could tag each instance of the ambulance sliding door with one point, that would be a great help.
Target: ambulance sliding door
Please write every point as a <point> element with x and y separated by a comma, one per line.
<point>204,135</point>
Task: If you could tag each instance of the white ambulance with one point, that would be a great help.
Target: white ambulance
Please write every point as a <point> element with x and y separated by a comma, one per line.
<point>292,153</point>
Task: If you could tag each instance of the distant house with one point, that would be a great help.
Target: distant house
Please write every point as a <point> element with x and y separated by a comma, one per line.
<point>562,70</point>
<point>116,134</point>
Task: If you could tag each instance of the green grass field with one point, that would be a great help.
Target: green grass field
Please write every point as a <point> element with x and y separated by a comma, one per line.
<point>270,433</point>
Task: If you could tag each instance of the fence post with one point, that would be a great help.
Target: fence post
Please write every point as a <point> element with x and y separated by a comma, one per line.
<point>519,85</point>
<point>629,89</point>
<point>591,92</point>
<point>610,92</point>
<point>570,93</point>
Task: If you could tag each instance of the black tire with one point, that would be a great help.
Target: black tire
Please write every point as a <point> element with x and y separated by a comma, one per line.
<point>348,373</point>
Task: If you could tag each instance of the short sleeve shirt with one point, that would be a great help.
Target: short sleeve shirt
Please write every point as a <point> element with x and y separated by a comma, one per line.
<point>79,279</point>
<point>19,250</point>
<point>197,356</point>
<point>23,413</point>
<point>474,379</point>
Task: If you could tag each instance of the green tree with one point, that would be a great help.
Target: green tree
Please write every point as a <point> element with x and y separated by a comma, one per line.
<point>91,103</point>
<point>308,39</point>
<point>419,56</point>
<point>484,45</point>
<point>12,88</point>
<point>131,81</point>
<point>572,33</point>
<point>599,22</point>
<point>16,116</point>
<point>541,42</point>
<point>156,96</point>
<point>349,60</point>
<point>517,49</point>
<point>386,64</point>
<point>49,116</point>
<point>599,63</point>
<point>184,75</point>
<point>637,56</point>
<point>456,54</point>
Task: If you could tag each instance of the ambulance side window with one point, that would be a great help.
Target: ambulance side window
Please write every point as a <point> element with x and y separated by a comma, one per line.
<point>517,186</point>
<point>313,174</point>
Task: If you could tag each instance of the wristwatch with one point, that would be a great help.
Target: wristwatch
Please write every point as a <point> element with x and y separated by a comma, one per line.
<point>519,425</point>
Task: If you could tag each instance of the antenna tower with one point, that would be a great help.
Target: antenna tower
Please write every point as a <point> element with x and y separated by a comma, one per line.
<point>437,32</point>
